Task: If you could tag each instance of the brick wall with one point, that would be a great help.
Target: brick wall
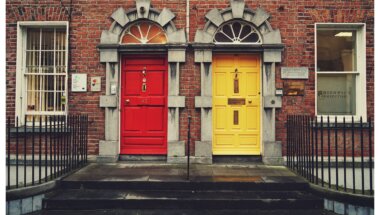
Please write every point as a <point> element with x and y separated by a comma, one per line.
<point>295,19</point>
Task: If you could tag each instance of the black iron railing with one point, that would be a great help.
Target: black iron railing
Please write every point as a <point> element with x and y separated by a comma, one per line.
<point>328,152</point>
<point>49,147</point>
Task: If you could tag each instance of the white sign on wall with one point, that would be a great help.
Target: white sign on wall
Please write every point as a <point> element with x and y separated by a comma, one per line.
<point>294,73</point>
<point>79,82</point>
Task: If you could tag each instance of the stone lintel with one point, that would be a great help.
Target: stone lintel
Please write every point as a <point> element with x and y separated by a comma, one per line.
<point>203,56</point>
<point>272,56</point>
<point>272,102</point>
<point>145,4</point>
<point>109,56</point>
<point>176,55</point>
<point>260,17</point>
<point>108,37</point>
<point>108,101</point>
<point>176,101</point>
<point>120,17</point>
<point>177,37</point>
<point>237,7</point>
<point>203,101</point>
<point>215,17</point>
<point>165,17</point>
<point>202,37</point>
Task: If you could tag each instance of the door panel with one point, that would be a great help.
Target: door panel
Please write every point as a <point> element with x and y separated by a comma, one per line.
<point>143,108</point>
<point>236,104</point>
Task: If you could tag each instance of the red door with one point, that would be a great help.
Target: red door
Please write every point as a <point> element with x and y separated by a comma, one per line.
<point>144,105</point>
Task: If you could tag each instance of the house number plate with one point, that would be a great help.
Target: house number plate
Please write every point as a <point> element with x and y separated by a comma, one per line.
<point>234,101</point>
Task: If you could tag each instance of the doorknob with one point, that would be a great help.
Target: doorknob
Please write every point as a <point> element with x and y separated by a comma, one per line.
<point>127,101</point>
<point>249,101</point>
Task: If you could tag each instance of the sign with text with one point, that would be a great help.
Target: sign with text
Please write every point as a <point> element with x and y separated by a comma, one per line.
<point>294,88</point>
<point>294,73</point>
<point>79,82</point>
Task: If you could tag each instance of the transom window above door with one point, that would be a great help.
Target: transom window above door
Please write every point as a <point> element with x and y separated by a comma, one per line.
<point>144,32</point>
<point>237,32</point>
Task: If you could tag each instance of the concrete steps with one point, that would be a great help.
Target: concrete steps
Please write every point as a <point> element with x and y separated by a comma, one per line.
<point>289,196</point>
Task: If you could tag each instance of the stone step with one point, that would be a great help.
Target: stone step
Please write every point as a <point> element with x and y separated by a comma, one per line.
<point>185,212</point>
<point>214,183</point>
<point>83,199</point>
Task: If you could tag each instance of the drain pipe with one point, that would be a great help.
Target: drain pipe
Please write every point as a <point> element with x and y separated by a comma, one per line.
<point>187,20</point>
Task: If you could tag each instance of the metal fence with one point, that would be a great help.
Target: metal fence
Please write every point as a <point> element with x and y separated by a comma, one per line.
<point>49,147</point>
<point>331,153</point>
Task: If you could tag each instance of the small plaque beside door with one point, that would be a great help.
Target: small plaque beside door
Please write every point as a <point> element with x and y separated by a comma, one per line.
<point>236,101</point>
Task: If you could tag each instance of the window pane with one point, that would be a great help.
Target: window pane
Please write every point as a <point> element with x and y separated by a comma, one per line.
<point>336,50</point>
<point>336,94</point>
<point>47,41</point>
<point>32,61</point>
<point>33,39</point>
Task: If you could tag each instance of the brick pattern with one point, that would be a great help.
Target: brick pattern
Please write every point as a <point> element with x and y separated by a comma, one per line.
<point>295,19</point>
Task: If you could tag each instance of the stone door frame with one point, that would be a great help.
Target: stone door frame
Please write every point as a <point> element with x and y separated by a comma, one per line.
<point>110,54</point>
<point>271,50</point>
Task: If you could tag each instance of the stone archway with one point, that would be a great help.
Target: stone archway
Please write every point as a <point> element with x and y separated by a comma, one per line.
<point>271,48</point>
<point>110,50</point>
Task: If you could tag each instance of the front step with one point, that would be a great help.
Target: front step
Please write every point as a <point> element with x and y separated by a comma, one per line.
<point>185,212</point>
<point>180,199</point>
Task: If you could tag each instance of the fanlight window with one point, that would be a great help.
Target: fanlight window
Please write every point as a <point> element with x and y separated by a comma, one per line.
<point>237,32</point>
<point>144,32</point>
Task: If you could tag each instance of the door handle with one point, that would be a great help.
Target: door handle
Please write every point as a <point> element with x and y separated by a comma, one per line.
<point>249,101</point>
<point>127,101</point>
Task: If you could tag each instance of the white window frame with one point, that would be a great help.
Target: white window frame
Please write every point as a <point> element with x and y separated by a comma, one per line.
<point>20,101</point>
<point>361,70</point>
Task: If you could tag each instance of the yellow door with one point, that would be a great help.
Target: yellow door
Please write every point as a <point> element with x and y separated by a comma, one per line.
<point>236,104</point>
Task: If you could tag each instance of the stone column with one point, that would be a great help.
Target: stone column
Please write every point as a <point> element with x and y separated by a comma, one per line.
<point>203,148</point>
<point>176,148</point>
<point>272,149</point>
<point>109,147</point>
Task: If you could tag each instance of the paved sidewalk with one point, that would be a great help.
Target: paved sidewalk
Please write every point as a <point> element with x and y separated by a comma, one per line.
<point>123,171</point>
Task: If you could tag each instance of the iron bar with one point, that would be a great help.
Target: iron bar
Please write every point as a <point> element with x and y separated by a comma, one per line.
<point>25,150</point>
<point>188,146</point>
<point>344,155</point>
<point>33,126</point>
<point>336,154</point>
<point>370,154</point>
<point>40,151</point>
<point>322,158</point>
<point>9,152</point>
<point>353,152</point>
<point>329,150</point>
<point>362,152</point>
<point>17,134</point>
<point>316,150</point>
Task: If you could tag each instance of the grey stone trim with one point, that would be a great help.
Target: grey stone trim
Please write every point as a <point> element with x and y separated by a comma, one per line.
<point>165,17</point>
<point>109,38</point>
<point>173,124</point>
<point>108,148</point>
<point>260,17</point>
<point>176,101</point>
<point>203,37</point>
<point>145,4</point>
<point>215,17</point>
<point>120,17</point>
<point>237,7</point>
<point>203,101</point>
<point>109,56</point>
<point>176,149</point>
<point>107,159</point>
<point>273,37</point>
<point>272,153</point>
<point>272,101</point>
<point>177,36</point>
<point>204,55</point>
<point>176,55</point>
<point>272,55</point>
<point>108,101</point>
<point>203,149</point>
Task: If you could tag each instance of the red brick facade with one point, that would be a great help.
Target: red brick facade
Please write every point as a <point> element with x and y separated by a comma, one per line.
<point>294,19</point>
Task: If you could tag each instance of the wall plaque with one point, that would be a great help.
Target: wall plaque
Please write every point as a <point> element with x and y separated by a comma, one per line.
<point>79,82</point>
<point>294,73</point>
<point>294,88</point>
